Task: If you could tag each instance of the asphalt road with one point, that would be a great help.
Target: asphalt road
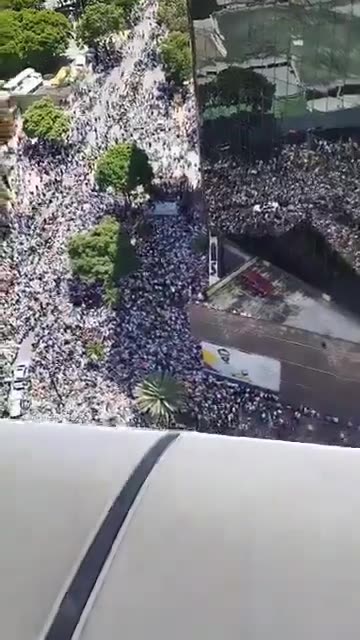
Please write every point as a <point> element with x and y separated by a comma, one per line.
<point>324,377</point>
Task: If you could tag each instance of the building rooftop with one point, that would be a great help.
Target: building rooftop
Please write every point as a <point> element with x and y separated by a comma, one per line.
<point>284,300</point>
<point>226,537</point>
<point>209,44</point>
<point>305,33</point>
<point>334,104</point>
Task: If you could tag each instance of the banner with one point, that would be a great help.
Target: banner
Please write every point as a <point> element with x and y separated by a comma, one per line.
<point>165,209</point>
<point>213,260</point>
<point>249,368</point>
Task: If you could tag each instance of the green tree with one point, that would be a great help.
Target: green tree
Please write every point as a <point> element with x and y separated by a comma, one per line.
<point>123,167</point>
<point>127,6</point>
<point>95,351</point>
<point>259,92</point>
<point>19,5</point>
<point>176,55</point>
<point>161,396</point>
<point>31,38</point>
<point>236,85</point>
<point>44,120</point>
<point>229,85</point>
<point>102,256</point>
<point>173,14</point>
<point>45,37</point>
<point>10,44</point>
<point>99,21</point>
<point>200,243</point>
<point>111,296</point>
<point>207,94</point>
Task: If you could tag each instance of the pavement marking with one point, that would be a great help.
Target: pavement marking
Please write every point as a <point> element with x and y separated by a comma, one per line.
<point>300,344</point>
<point>328,373</point>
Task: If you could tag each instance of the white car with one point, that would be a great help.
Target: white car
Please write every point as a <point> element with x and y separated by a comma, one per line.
<point>15,410</point>
<point>19,384</point>
<point>17,402</point>
<point>21,372</point>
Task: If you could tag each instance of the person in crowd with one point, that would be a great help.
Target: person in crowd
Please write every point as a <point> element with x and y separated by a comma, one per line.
<point>317,184</point>
<point>125,98</point>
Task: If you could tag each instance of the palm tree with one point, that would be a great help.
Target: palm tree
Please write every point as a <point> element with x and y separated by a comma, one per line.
<point>161,396</point>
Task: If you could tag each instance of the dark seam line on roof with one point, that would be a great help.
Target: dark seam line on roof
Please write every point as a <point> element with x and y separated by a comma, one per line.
<point>74,601</point>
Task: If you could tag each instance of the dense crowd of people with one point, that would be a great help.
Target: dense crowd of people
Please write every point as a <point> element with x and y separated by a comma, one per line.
<point>315,182</point>
<point>57,197</point>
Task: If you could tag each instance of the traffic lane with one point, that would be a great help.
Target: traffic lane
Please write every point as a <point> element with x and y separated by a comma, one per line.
<point>327,379</point>
<point>283,349</point>
<point>308,377</point>
<point>328,394</point>
<point>277,341</point>
<point>309,350</point>
<point>24,355</point>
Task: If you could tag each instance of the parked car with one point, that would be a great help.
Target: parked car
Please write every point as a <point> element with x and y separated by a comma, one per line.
<point>19,385</point>
<point>21,372</point>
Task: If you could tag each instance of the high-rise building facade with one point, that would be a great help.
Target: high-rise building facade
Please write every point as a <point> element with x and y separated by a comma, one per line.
<point>305,54</point>
<point>278,90</point>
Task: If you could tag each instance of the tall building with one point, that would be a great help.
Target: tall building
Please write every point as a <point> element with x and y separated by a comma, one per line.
<point>276,83</point>
<point>278,91</point>
<point>306,57</point>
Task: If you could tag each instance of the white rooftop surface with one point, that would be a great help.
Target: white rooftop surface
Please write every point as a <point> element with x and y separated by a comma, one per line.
<point>206,24</point>
<point>25,82</point>
<point>319,317</point>
<point>165,209</point>
<point>351,101</point>
<point>283,78</point>
<point>228,538</point>
<point>298,307</point>
<point>333,104</point>
<point>208,38</point>
<point>352,9</point>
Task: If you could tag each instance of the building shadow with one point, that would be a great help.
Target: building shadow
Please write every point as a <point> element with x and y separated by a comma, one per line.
<point>305,253</point>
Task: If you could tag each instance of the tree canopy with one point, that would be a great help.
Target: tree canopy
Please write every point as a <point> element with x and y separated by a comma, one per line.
<point>176,55</point>
<point>125,5</point>
<point>95,351</point>
<point>123,167</point>
<point>161,396</point>
<point>44,120</point>
<point>30,38</point>
<point>99,21</point>
<point>208,94</point>
<point>236,85</point>
<point>19,5</point>
<point>10,44</point>
<point>102,255</point>
<point>173,14</point>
